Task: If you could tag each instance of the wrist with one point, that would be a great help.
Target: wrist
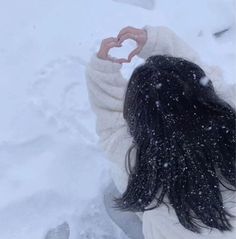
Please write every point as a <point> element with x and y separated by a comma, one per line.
<point>101,56</point>
<point>150,42</point>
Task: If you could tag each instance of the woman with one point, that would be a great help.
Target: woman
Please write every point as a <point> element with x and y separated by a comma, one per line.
<point>170,134</point>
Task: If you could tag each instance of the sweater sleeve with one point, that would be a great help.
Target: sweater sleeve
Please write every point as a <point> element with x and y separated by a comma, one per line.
<point>163,41</point>
<point>106,90</point>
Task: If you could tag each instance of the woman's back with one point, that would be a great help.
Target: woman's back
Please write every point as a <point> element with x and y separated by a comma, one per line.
<point>106,88</point>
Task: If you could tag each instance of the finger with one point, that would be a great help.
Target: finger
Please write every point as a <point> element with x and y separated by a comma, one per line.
<point>110,39</point>
<point>124,31</point>
<point>134,53</point>
<point>122,60</point>
<point>107,41</point>
<point>106,46</point>
<point>115,60</point>
<point>113,44</point>
<point>127,30</point>
<point>127,36</point>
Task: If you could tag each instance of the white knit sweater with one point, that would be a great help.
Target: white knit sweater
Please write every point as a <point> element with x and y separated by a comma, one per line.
<point>107,89</point>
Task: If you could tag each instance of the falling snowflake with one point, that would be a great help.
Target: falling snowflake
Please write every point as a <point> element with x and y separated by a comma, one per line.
<point>204,81</point>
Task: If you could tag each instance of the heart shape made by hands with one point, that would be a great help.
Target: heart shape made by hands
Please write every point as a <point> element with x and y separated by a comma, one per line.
<point>120,53</point>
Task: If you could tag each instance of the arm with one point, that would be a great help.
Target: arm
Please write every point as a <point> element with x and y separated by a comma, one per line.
<point>106,90</point>
<point>163,41</point>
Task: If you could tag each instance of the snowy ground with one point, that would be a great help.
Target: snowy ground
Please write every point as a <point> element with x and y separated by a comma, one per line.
<point>51,169</point>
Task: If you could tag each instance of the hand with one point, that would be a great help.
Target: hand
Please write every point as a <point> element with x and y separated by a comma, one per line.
<point>138,35</point>
<point>105,47</point>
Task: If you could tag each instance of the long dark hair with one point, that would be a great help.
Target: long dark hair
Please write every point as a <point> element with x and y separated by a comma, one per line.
<point>184,136</point>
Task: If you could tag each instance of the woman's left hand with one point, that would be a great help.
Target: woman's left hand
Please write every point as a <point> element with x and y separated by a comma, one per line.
<point>105,47</point>
<point>138,35</point>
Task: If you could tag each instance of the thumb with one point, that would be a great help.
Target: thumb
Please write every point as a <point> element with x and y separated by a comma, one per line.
<point>134,52</point>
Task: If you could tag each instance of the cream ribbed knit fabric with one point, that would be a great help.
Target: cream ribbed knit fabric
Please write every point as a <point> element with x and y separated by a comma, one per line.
<point>107,89</point>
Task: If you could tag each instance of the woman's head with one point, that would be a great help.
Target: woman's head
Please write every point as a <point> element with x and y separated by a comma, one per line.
<point>184,136</point>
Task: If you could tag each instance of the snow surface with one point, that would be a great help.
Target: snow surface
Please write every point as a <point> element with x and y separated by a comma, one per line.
<point>146,4</point>
<point>51,170</point>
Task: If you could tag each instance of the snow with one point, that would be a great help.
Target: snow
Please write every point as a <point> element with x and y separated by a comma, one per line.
<point>204,81</point>
<point>165,165</point>
<point>146,4</point>
<point>51,169</point>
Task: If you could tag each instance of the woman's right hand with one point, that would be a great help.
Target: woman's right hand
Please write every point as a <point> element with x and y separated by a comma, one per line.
<point>138,35</point>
